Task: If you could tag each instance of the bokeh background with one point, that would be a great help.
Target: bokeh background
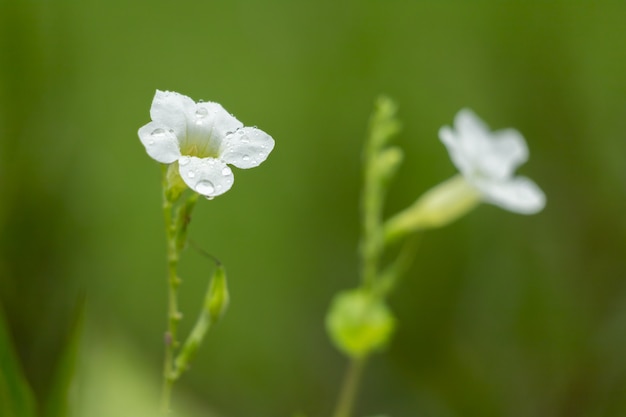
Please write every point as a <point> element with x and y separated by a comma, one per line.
<point>502,315</point>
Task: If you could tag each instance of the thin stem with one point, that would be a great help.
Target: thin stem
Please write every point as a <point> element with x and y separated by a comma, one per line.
<point>389,277</point>
<point>371,208</point>
<point>176,223</point>
<point>349,389</point>
<point>173,316</point>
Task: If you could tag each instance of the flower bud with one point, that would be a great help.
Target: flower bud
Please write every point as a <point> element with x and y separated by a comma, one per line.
<point>359,323</point>
<point>218,297</point>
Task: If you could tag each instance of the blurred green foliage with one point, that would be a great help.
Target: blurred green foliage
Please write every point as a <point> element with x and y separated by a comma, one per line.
<point>501,315</point>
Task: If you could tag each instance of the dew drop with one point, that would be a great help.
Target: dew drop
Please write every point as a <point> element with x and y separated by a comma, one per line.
<point>158,132</point>
<point>202,112</point>
<point>241,132</point>
<point>205,187</point>
<point>191,174</point>
<point>246,158</point>
<point>184,160</point>
<point>261,155</point>
<point>226,172</point>
<point>150,142</point>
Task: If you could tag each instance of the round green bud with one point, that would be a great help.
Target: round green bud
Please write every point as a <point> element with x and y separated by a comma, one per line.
<point>359,323</point>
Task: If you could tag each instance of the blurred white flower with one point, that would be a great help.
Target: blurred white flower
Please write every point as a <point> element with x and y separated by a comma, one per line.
<point>487,160</point>
<point>202,137</point>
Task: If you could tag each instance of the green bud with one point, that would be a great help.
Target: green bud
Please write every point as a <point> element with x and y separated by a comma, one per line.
<point>358,323</point>
<point>215,304</point>
<point>438,207</point>
<point>383,123</point>
<point>387,163</point>
<point>218,297</point>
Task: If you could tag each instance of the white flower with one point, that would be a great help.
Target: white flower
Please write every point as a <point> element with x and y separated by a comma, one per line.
<point>202,137</point>
<point>487,160</point>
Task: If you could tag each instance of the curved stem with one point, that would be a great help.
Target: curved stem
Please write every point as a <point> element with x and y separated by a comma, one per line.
<point>349,389</point>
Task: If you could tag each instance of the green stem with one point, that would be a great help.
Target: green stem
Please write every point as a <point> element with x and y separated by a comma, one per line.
<point>176,233</point>
<point>371,209</point>
<point>215,304</point>
<point>173,316</point>
<point>349,388</point>
<point>388,279</point>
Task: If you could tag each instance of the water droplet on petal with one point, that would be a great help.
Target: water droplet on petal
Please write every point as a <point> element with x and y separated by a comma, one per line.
<point>241,132</point>
<point>226,171</point>
<point>150,142</point>
<point>261,155</point>
<point>191,174</point>
<point>158,132</point>
<point>246,158</point>
<point>202,112</point>
<point>184,160</point>
<point>205,187</point>
<point>210,197</point>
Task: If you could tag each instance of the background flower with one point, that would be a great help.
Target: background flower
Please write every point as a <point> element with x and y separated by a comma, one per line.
<point>488,161</point>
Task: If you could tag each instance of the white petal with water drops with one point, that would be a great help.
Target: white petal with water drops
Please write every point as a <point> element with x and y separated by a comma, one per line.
<point>248,147</point>
<point>207,176</point>
<point>170,109</point>
<point>160,142</point>
<point>203,137</point>
<point>216,119</point>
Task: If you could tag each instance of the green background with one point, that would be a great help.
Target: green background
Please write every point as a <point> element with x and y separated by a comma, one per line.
<point>502,315</point>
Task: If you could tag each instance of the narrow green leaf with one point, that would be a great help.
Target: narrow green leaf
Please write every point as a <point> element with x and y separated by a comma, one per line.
<point>16,397</point>
<point>56,403</point>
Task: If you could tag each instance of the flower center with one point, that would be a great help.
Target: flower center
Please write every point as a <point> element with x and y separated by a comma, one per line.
<point>202,140</point>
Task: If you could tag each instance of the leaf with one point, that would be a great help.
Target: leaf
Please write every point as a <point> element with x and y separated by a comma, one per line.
<point>56,403</point>
<point>16,397</point>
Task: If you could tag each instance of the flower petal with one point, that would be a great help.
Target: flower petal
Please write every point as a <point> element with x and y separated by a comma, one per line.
<point>207,125</point>
<point>506,151</point>
<point>216,118</point>
<point>453,144</point>
<point>160,142</point>
<point>467,123</point>
<point>246,148</point>
<point>519,194</point>
<point>207,176</point>
<point>476,151</point>
<point>475,144</point>
<point>170,109</point>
